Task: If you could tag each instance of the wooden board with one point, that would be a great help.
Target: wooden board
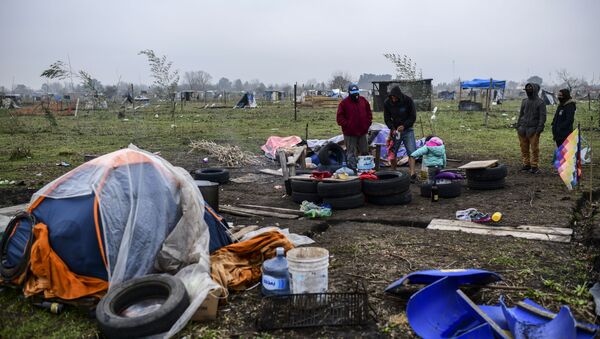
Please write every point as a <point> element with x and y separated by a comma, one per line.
<point>528,232</point>
<point>271,171</point>
<point>479,164</point>
<point>307,177</point>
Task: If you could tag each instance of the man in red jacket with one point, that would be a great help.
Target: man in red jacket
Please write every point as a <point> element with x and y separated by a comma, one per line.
<point>354,116</point>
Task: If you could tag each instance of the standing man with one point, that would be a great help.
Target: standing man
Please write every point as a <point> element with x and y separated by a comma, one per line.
<point>354,116</point>
<point>562,123</point>
<point>532,118</point>
<point>399,114</point>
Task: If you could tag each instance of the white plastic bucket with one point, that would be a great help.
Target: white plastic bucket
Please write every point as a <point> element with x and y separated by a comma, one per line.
<point>308,267</point>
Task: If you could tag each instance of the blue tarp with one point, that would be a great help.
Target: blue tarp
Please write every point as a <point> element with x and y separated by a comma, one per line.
<point>483,83</point>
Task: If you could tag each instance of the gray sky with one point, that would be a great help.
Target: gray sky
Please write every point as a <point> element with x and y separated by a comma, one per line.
<point>287,41</point>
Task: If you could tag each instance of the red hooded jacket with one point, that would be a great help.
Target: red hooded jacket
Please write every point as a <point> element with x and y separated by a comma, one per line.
<point>354,117</point>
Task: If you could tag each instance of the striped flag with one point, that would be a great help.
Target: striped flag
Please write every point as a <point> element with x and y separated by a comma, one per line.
<point>568,159</point>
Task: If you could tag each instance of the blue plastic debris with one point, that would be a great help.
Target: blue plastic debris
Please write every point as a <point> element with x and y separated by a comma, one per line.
<point>460,276</point>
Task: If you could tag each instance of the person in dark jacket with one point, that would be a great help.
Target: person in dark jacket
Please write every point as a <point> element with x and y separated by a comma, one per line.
<point>399,114</point>
<point>532,118</point>
<point>355,117</point>
<point>562,123</point>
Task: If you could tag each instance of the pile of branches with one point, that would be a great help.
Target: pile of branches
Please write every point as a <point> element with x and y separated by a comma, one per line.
<point>228,155</point>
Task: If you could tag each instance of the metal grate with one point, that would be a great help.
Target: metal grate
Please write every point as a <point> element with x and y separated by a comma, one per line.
<point>313,309</point>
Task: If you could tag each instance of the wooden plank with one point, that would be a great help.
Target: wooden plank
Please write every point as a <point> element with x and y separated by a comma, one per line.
<point>271,171</point>
<point>527,229</point>
<point>516,234</point>
<point>275,209</point>
<point>234,209</point>
<point>307,177</point>
<point>479,164</point>
<point>13,210</point>
<point>497,329</point>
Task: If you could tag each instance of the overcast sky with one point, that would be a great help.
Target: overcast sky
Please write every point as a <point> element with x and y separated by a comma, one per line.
<point>288,41</point>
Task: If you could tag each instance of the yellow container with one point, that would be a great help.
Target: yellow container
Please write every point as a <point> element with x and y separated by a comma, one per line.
<point>496,216</point>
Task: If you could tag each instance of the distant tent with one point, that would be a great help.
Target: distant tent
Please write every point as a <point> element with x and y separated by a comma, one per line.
<point>483,83</point>
<point>247,100</point>
<point>548,97</point>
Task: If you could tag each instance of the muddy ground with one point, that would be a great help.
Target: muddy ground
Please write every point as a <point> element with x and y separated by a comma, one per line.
<point>375,245</point>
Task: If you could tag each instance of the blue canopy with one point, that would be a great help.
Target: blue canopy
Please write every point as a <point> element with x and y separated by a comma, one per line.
<point>483,83</point>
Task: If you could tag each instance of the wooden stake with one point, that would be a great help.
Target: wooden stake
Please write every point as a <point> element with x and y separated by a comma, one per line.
<point>422,131</point>
<point>275,209</point>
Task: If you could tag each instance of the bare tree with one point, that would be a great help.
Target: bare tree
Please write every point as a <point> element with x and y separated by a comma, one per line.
<point>197,80</point>
<point>340,80</point>
<point>238,85</point>
<point>406,69</point>
<point>224,84</point>
<point>165,80</point>
<point>570,81</point>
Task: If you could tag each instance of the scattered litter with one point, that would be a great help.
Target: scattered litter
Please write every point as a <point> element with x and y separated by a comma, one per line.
<point>277,187</point>
<point>125,119</point>
<point>472,214</point>
<point>63,164</point>
<point>38,175</point>
<point>205,160</point>
<point>296,239</point>
<point>230,156</point>
<point>313,210</point>
<point>173,126</point>
<point>250,177</point>
<point>156,115</point>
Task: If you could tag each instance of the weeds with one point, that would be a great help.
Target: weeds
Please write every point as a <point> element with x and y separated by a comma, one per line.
<point>19,153</point>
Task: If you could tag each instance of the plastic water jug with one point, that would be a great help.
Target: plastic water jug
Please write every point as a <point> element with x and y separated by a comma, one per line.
<point>275,276</point>
<point>365,163</point>
<point>344,169</point>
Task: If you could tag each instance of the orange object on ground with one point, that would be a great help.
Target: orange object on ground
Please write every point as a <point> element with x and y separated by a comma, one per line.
<point>52,276</point>
<point>238,266</point>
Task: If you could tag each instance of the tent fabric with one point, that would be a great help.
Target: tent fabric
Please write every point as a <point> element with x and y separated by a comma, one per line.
<point>217,228</point>
<point>238,266</point>
<point>483,83</point>
<point>52,277</point>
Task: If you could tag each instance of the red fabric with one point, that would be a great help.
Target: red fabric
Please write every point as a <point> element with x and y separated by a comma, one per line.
<point>354,117</point>
<point>368,176</point>
<point>320,175</point>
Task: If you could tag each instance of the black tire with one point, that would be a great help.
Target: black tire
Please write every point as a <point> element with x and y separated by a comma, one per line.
<point>339,189</point>
<point>394,199</point>
<point>299,197</point>
<point>487,174</point>
<point>486,185</point>
<point>304,186</point>
<point>113,324</point>
<point>390,182</point>
<point>329,149</point>
<point>219,175</point>
<point>450,190</point>
<point>345,203</point>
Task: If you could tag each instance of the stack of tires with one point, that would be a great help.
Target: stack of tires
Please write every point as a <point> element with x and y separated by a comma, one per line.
<point>342,195</point>
<point>452,189</point>
<point>305,190</point>
<point>487,178</point>
<point>392,188</point>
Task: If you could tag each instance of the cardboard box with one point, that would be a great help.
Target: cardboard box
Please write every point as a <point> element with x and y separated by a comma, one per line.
<point>208,308</point>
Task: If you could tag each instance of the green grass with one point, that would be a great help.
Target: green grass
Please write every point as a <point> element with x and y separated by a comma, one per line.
<point>100,132</point>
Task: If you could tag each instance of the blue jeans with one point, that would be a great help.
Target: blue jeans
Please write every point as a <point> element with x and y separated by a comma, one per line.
<point>407,137</point>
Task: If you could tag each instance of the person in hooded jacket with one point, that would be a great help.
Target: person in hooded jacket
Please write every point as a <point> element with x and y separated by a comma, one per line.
<point>355,117</point>
<point>434,153</point>
<point>399,114</point>
<point>532,118</point>
<point>562,123</point>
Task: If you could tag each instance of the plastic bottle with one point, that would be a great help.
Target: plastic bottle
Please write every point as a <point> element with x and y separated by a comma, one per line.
<point>275,277</point>
<point>434,193</point>
<point>497,216</point>
<point>344,169</point>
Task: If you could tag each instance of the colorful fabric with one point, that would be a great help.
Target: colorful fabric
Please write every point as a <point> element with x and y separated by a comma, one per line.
<point>275,142</point>
<point>568,159</point>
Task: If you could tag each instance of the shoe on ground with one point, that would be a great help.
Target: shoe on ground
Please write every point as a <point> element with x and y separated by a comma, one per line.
<point>535,170</point>
<point>526,168</point>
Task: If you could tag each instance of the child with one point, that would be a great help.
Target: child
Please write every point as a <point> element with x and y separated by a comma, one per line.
<point>435,156</point>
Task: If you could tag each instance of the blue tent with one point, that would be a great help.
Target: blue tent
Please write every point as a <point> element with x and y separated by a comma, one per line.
<point>483,83</point>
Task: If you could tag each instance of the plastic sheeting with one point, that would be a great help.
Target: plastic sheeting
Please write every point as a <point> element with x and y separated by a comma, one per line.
<point>275,142</point>
<point>152,218</point>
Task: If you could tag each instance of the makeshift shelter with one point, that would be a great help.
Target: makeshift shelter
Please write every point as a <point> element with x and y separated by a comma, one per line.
<point>247,100</point>
<point>492,89</point>
<point>419,90</point>
<point>272,95</point>
<point>116,217</point>
<point>446,95</point>
<point>548,97</point>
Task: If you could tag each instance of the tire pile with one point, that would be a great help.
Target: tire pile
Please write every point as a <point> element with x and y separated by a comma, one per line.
<point>392,188</point>
<point>487,178</point>
<point>452,189</point>
<point>220,175</point>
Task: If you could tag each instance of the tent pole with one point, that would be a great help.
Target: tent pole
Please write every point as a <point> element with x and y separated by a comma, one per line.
<point>487,108</point>
<point>459,93</point>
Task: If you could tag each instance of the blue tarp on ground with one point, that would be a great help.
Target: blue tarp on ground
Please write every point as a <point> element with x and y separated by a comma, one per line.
<point>483,83</point>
